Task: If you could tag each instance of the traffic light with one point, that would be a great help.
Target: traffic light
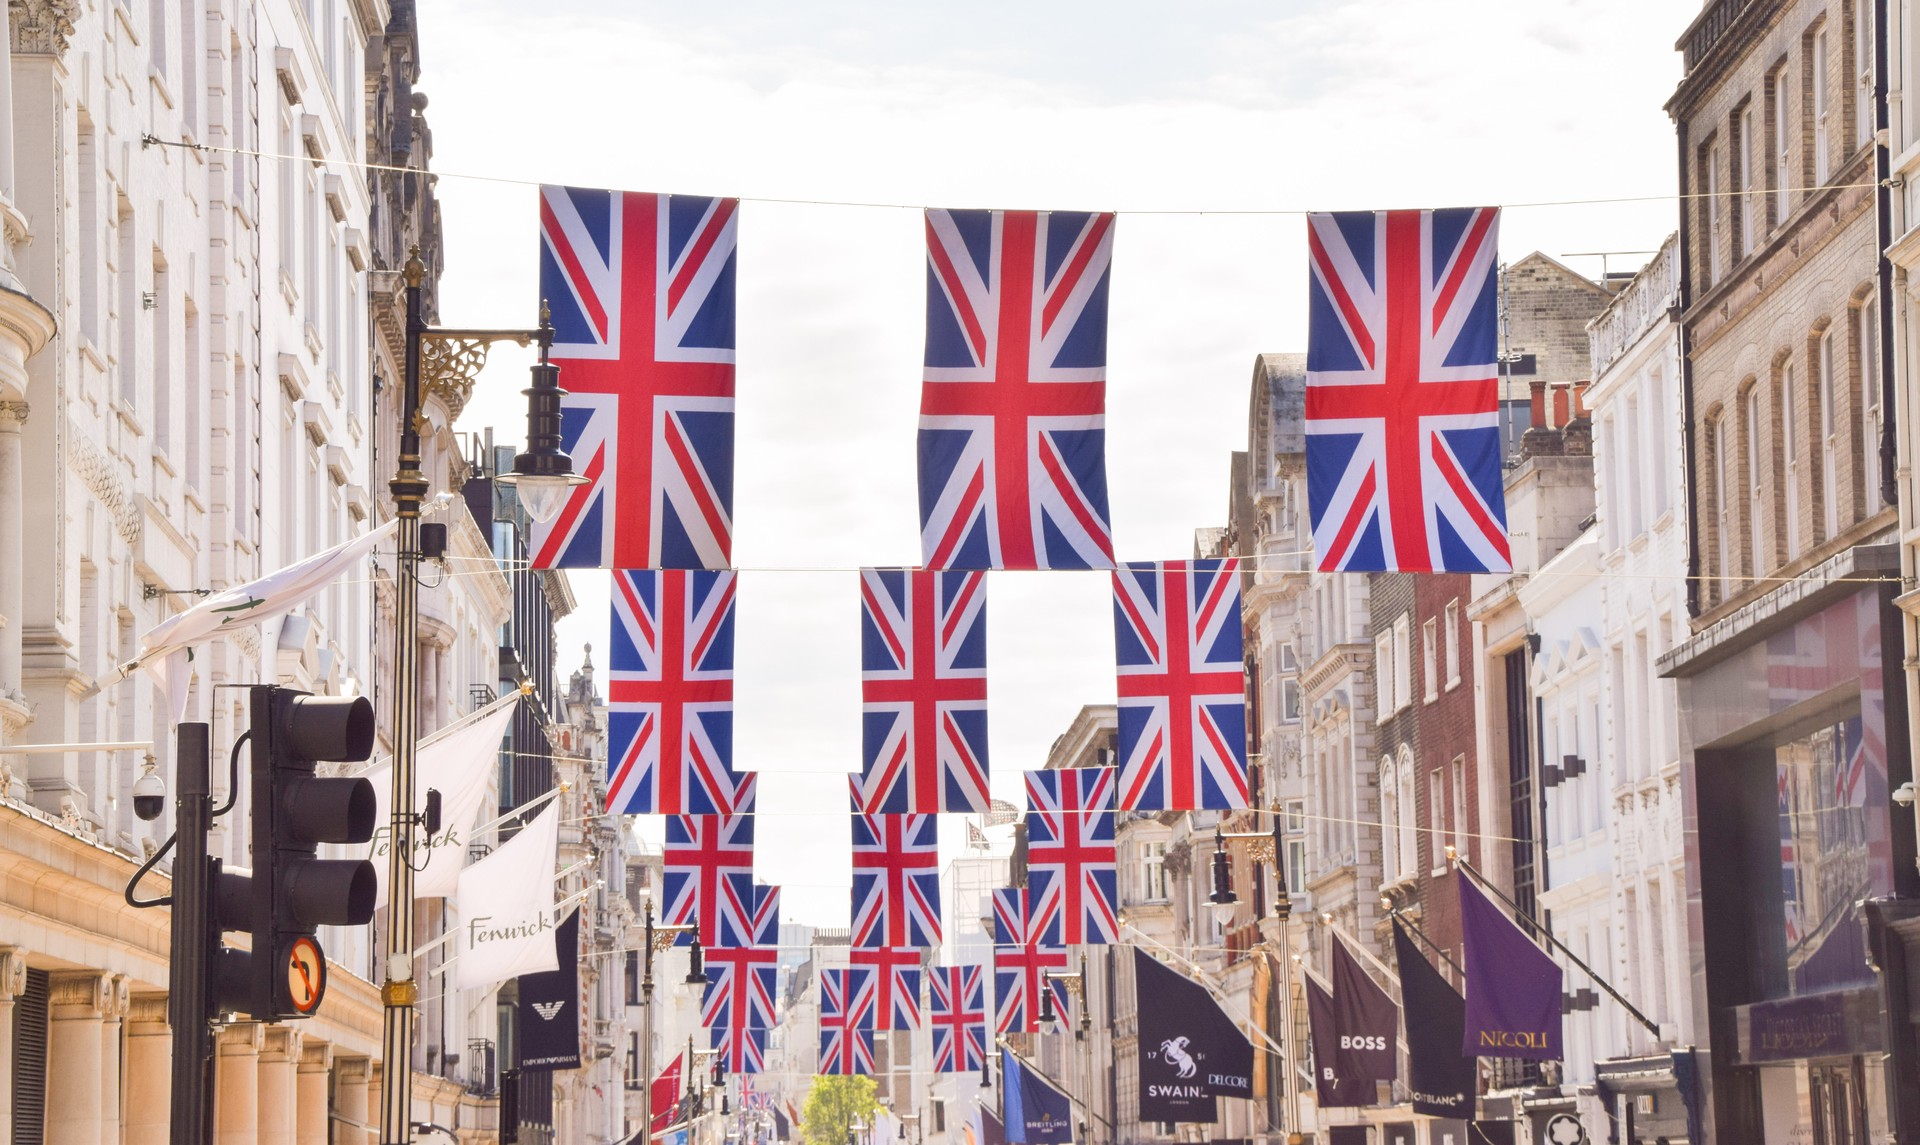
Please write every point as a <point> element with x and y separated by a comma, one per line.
<point>293,892</point>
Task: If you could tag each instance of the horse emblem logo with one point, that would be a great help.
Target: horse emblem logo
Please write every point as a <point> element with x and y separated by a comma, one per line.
<point>1174,1050</point>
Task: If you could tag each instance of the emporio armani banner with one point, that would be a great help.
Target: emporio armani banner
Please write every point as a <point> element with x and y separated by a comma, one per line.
<point>1332,1089</point>
<point>550,1006</point>
<point>1190,1051</point>
<point>1365,1022</point>
<point>1438,1074</point>
<point>1513,987</point>
<point>1038,1113</point>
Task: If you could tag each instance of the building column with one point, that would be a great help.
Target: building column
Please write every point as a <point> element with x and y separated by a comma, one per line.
<point>279,1060</point>
<point>76,1010</point>
<point>112,1023</point>
<point>149,1071</point>
<point>310,1094</point>
<point>13,710</point>
<point>350,1089</point>
<point>13,983</point>
<point>236,1084</point>
<point>376,1083</point>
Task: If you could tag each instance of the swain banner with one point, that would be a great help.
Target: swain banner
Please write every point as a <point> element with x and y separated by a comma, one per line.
<point>1190,1051</point>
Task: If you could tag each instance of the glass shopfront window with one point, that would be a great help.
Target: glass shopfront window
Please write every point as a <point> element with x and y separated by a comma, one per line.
<point>1827,865</point>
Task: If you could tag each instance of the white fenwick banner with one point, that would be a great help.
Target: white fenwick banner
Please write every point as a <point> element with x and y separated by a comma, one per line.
<point>506,908</point>
<point>458,762</point>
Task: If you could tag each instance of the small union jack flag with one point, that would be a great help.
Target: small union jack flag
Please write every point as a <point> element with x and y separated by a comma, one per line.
<point>1013,411</point>
<point>896,881</point>
<point>641,289</point>
<point>1072,872</point>
<point>923,662</point>
<point>896,984</point>
<point>1403,434</point>
<point>670,700</point>
<point>846,1036</point>
<point>741,1050</point>
<point>708,876</point>
<point>1020,964</point>
<point>957,1004</point>
<point>1183,720</point>
<point>740,979</point>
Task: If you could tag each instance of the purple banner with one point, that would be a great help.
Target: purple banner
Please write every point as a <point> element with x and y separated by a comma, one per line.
<point>1513,988</point>
<point>1364,1019</point>
<point>1332,1089</point>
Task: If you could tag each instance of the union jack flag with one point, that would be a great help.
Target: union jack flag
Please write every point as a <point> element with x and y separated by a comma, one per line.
<point>958,1007</point>
<point>846,1034</point>
<point>1183,719</point>
<point>1403,436</point>
<point>896,881</point>
<point>670,703</point>
<point>896,984</point>
<point>1850,774</point>
<point>741,1050</point>
<point>923,690</point>
<point>641,289</point>
<point>740,979</point>
<point>1019,964</point>
<point>1013,411</point>
<point>1072,876</point>
<point>708,869</point>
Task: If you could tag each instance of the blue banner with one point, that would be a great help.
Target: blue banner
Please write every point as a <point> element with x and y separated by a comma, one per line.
<point>1037,1112</point>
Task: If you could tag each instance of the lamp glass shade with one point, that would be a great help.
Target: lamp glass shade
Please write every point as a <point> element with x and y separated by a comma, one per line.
<point>1223,912</point>
<point>542,495</point>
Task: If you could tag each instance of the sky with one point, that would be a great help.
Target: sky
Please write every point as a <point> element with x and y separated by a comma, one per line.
<point>1208,125</point>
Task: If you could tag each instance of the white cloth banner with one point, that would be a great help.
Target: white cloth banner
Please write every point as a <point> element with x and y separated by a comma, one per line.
<point>507,908</point>
<point>166,648</point>
<point>458,761</point>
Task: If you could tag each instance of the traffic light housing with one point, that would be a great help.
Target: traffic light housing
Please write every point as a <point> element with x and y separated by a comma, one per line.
<point>293,892</point>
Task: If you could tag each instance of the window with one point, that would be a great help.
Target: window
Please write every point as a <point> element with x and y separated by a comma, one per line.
<point>1390,813</point>
<point>1710,187</point>
<point>1656,438</point>
<point>1821,163</point>
<point>1863,73</point>
<point>633,978</point>
<point>1744,201</point>
<point>1790,463</point>
<point>1460,804</point>
<point>1289,700</point>
<point>1430,659</point>
<point>1829,442</point>
<point>1296,866</point>
<point>1867,340</point>
<point>1756,501</point>
<point>1153,871</point>
<point>1723,493</point>
<point>1409,815</point>
<point>1403,661</point>
<point>1783,173</point>
<point>1453,643</point>
<point>634,1077</point>
<point>1437,820</point>
<point>1383,674</point>
<point>1296,816</point>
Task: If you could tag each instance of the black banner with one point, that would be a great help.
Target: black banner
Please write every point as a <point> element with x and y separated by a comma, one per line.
<point>1190,1052</point>
<point>782,1128</point>
<point>1365,1020</point>
<point>1438,1074</point>
<point>1331,1089</point>
<point>549,1017</point>
<point>991,1131</point>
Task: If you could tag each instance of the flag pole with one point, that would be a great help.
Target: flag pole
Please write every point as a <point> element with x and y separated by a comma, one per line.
<point>1413,928</point>
<point>1481,881</point>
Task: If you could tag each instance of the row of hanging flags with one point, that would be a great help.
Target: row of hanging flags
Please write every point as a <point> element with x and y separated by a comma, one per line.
<point>1403,473</point>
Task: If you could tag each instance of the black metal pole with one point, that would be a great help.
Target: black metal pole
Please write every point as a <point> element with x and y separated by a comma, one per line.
<point>188,979</point>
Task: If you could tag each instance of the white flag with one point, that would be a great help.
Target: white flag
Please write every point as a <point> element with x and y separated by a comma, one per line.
<point>166,648</point>
<point>506,908</point>
<point>457,761</point>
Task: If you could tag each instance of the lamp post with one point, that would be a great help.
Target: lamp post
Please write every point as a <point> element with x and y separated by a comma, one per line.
<point>457,354</point>
<point>658,940</point>
<point>1223,900</point>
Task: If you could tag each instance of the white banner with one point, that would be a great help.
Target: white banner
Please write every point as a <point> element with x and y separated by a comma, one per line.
<point>458,761</point>
<point>507,907</point>
<point>166,648</point>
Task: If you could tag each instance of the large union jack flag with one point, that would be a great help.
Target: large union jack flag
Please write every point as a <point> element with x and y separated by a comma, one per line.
<point>641,289</point>
<point>1403,435</point>
<point>741,1050</point>
<point>1013,412</point>
<point>1072,875</point>
<point>740,979</point>
<point>846,1034</point>
<point>957,1005</point>
<point>670,702</point>
<point>1183,720</point>
<point>923,691</point>
<point>708,875</point>
<point>896,881</point>
<point>1020,962</point>
<point>896,984</point>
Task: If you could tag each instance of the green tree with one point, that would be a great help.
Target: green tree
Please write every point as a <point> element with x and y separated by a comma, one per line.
<point>833,1104</point>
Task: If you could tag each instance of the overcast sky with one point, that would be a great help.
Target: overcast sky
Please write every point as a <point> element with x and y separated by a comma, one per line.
<point>1205,124</point>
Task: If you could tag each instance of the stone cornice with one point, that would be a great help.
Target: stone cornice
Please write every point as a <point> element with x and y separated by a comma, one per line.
<point>41,27</point>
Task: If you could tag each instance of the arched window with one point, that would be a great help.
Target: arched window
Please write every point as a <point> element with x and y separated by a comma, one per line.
<point>1389,821</point>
